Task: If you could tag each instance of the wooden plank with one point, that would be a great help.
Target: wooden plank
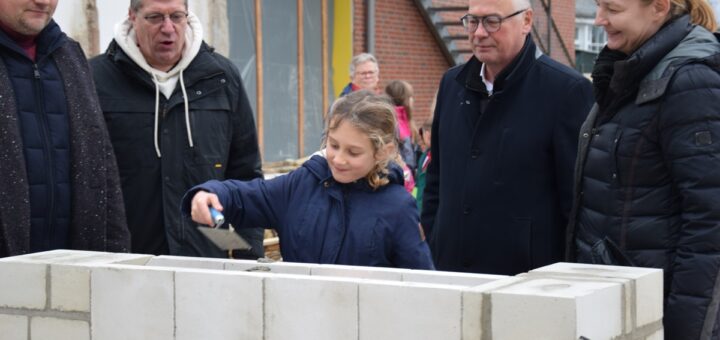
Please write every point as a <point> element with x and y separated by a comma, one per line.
<point>259,71</point>
<point>301,78</point>
<point>325,61</point>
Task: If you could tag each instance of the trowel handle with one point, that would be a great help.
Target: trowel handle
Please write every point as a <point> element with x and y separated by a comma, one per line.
<point>217,217</point>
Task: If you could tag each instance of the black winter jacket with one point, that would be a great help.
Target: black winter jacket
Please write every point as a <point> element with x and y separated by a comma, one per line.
<point>648,173</point>
<point>499,187</point>
<point>224,136</point>
<point>59,186</point>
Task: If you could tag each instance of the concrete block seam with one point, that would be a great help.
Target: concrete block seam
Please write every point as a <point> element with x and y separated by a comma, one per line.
<point>174,288</point>
<point>486,318</point>
<point>75,316</point>
<point>641,333</point>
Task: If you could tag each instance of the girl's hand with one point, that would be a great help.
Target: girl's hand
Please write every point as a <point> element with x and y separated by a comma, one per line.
<point>199,210</point>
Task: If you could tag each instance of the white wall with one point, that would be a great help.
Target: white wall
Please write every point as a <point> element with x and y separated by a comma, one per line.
<point>69,16</point>
<point>65,294</point>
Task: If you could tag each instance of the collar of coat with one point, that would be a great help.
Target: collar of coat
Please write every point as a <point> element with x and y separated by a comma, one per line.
<point>470,73</point>
<point>646,73</point>
<point>49,39</point>
<point>318,166</point>
<point>203,66</point>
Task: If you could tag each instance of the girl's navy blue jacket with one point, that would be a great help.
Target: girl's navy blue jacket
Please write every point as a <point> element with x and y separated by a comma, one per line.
<point>319,220</point>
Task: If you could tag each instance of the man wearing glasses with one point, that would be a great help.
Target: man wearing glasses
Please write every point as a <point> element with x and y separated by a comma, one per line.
<point>504,142</point>
<point>178,115</point>
<point>364,74</point>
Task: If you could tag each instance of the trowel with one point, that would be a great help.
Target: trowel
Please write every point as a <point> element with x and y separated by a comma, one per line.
<point>225,239</point>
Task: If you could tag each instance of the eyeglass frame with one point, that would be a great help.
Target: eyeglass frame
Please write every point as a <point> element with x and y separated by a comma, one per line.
<point>483,20</point>
<point>151,17</point>
<point>367,73</point>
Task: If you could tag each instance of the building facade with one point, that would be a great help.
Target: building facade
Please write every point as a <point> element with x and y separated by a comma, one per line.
<point>293,55</point>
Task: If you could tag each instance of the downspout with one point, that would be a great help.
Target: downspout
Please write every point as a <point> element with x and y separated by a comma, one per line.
<point>549,28</point>
<point>370,27</point>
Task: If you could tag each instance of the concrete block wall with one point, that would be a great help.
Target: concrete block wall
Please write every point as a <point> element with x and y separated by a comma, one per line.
<point>47,295</point>
<point>101,296</point>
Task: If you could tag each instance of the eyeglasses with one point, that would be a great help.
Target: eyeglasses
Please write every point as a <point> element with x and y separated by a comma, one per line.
<point>366,73</point>
<point>491,23</point>
<point>158,18</point>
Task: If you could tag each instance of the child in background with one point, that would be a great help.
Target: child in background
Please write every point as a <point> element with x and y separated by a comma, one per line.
<point>423,162</point>
<point>401,94</point>
<point>347,208</point>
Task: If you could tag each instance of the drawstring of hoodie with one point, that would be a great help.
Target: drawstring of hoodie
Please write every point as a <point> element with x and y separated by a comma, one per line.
<point>165,81</point>
<point>157,113</point>
<point>187,110</point>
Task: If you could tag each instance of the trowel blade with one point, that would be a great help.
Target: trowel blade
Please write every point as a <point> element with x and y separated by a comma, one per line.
<point>225,239</point>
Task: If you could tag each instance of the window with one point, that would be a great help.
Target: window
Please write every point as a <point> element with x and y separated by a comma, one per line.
<point>589,37</point>
<point>277,117</point>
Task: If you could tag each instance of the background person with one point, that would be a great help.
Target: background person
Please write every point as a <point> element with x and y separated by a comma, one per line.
<point>423,161</point>
<point>401,94</point>
<point>364,74</point>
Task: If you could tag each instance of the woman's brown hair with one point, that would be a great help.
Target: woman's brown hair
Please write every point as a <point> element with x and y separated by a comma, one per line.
<point>700,12</point>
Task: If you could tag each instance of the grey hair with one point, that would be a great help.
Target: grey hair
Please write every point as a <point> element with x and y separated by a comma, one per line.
<point>361,59</point>
<point>521,4</point>
<point>135,5</point>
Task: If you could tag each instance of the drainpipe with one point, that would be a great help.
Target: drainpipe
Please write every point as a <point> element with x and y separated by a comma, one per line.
<point>370,26</point>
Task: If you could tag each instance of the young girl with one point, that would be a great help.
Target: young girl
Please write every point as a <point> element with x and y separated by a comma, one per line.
<point>423,162</point>
<point>401,94</point>
<point>347,208</point>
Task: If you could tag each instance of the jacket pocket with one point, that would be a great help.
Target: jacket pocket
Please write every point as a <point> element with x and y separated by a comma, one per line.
<point>605,251</point>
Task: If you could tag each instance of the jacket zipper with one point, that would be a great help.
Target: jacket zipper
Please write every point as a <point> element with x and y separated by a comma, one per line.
<point>48,155</point>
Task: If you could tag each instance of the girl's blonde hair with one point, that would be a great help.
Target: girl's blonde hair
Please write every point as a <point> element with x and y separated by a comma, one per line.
<point>374,116</point>
<point>700,12</point>
<point>400,93</point>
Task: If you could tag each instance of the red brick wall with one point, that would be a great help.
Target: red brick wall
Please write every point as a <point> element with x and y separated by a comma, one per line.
<point>407,50</point>
<point>359,21</point>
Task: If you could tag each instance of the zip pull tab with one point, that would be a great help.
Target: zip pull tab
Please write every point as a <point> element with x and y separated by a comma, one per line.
<point>36,72</point>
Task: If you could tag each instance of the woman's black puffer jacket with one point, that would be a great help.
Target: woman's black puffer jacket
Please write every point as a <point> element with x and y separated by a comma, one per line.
<point>647,189</point>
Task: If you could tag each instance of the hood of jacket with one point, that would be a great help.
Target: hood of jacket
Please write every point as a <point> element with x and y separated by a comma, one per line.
<point>319,167</point>
<point>644,75</point>
<point>165,82</point>
<point>697,44</point>
<point>126,38</point>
